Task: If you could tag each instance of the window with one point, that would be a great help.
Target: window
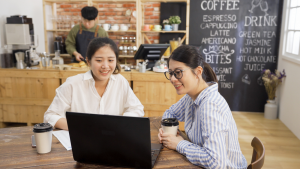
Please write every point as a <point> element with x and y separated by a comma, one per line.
<point>293,29</point>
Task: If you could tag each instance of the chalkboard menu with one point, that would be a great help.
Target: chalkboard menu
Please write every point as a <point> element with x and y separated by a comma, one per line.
<point>238,38</point>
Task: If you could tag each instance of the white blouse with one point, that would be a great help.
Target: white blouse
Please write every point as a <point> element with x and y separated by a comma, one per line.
<point>78,94</point>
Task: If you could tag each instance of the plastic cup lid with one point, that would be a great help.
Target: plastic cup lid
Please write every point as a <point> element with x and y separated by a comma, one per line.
<point>42,127</point>
<point>170,122</point>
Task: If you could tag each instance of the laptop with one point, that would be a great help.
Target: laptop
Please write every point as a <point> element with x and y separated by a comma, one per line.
<point>112,140</point>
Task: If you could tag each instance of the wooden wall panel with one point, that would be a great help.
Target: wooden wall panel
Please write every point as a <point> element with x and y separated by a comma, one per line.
<point>22,114</point>
<point>28,87</point>
<point>25,95</point>
<point>162,93</point>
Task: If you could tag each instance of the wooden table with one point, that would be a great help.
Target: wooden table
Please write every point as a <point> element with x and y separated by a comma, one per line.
<point>16,152</point>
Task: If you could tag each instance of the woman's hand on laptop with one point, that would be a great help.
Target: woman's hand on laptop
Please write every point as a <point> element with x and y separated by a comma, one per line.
<point>169,140</point>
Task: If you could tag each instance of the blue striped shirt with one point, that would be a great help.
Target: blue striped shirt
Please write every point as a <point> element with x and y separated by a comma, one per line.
<point>211,129</point>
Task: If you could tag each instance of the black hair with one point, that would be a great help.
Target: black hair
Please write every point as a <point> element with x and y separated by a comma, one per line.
<point>98,43</point>
<point>89,12</point>
<point>191,57</point>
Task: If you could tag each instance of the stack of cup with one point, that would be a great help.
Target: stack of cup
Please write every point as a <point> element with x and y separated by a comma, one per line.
<point>170,125</point>
<point>43,137</point>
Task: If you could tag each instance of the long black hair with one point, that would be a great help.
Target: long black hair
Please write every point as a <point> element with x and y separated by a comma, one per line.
<point>191,57</point>
<point>98,43</point>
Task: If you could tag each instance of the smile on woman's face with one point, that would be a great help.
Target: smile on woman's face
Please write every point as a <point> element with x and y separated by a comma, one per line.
<point>103,63</point>
<point>189,81</point>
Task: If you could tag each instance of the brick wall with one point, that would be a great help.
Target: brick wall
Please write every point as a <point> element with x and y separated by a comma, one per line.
<point>114,13</point>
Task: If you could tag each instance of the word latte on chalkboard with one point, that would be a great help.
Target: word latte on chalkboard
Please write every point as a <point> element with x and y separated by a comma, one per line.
<point>238,38</point>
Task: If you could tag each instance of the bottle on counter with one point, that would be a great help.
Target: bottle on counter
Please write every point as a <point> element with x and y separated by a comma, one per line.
<point>57,60</point>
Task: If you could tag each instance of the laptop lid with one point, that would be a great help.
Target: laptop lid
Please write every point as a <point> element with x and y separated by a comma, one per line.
<point>110,140</point>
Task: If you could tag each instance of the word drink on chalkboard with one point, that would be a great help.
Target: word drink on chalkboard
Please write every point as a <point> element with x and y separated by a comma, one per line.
<point>238,38</point>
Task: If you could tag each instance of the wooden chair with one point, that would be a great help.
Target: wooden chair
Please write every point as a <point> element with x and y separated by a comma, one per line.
<point>258,156</point>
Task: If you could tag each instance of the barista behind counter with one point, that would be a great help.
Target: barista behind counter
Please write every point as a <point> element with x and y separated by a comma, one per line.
<point>80,35</point>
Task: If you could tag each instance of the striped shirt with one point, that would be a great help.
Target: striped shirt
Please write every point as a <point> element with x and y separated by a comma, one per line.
<point>211,128</point>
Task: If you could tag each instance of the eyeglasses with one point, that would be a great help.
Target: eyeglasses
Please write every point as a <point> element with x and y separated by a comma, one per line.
<point>177,73</point>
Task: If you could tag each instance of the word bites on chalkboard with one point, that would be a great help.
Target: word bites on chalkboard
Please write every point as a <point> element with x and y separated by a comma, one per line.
<point>238,38</point>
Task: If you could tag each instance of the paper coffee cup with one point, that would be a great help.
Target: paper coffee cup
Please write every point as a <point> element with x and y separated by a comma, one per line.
<point>43,137</point>
<point>170,125</point>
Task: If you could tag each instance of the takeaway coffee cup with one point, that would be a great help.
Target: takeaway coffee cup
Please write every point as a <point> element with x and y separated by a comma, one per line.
<point>43,137</point>
<point>170,125</point>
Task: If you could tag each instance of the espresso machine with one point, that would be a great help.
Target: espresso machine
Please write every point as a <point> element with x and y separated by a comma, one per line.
<point>20,36</point>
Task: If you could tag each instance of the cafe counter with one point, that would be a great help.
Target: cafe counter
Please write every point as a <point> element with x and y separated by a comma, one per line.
<point>25,94</point>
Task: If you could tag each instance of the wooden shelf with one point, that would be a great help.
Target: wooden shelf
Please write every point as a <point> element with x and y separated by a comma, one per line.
<point>58,30</point>
<point>126,56</point>
<point>120,56</point>
<point>121,31</point>
<point>67,30</point>
<point>179,31</point>
<point>114,0</point>
<point>140,20</point>
<point>163,1</point>
<point>64,55</point>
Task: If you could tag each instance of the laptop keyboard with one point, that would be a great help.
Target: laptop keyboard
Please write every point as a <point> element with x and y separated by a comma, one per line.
<point>152,152</point>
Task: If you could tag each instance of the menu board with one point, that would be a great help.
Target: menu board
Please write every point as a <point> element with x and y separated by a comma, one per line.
<point>238,38</point>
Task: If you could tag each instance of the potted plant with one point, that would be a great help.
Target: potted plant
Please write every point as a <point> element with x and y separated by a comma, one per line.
<point>174,21</point>
<point>167,26</point>
<point>271,81</point>
<point>166,22</point>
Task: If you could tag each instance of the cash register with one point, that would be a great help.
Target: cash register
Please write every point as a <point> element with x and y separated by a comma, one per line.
<point>151,53</point>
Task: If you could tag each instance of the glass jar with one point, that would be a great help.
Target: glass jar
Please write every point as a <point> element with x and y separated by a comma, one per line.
<point>133,39</point>
<point>134,49</point>
<point>121,50</point>
<point>160,66</point>
<point>125,40</point>
<point>125,52</point>
<point>122,39</point>
<point>130,50</point>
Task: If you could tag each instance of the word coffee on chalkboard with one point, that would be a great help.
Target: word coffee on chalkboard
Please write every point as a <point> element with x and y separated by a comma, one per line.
<point>238,38</point>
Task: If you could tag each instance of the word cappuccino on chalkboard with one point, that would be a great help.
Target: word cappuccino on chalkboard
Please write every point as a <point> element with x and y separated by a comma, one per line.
<point>218,44</point>
<point>238,38</point>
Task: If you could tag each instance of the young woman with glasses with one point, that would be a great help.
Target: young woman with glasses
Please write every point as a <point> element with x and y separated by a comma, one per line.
<point>209,125</point>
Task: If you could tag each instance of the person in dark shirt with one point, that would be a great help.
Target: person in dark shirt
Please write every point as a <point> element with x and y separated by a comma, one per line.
<point>80,35</point>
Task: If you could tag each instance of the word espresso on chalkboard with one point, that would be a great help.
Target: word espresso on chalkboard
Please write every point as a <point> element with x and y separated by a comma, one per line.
<point>238,38</point>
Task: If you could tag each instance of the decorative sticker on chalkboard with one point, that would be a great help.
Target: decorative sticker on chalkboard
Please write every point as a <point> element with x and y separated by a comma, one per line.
<point>261,3</point>
<point>238,38</point>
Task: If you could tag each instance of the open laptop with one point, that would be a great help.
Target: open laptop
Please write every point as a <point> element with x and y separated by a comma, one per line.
<point>112,140</point>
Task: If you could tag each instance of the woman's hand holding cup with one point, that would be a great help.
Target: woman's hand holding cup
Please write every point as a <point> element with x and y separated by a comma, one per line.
<point>168,134</point>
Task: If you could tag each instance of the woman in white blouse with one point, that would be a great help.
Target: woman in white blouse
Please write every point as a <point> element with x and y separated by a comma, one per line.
<point>102,90</point>
<point>209,125</point>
